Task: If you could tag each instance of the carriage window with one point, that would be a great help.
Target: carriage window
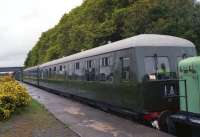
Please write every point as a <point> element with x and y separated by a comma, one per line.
<point>125,68</point>
<point>105,62</point>
<point>156,65</point>
<point>77,65</point>
<point>54,68</point>
<point>90,71</point>
<point>60,67</point>
<point>49,72</point>
<point>89,64</point>
<point>150,65</point>
<point>163,64</point>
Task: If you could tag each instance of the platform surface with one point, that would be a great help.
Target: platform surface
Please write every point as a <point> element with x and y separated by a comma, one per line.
<point>88,121</point>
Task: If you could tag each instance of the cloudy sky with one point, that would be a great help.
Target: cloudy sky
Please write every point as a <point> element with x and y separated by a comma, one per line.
<point>23,21</point>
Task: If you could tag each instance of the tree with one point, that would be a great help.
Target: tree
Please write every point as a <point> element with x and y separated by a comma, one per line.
<point>96,22</point>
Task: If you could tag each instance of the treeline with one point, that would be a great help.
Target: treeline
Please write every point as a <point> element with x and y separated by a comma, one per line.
<point>96,22</point>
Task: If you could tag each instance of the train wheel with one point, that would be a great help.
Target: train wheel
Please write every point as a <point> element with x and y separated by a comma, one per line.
<point>165,124</point>
<point>103,108</point>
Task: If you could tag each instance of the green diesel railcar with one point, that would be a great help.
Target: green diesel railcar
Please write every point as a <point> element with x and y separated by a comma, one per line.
<point>187,121</point>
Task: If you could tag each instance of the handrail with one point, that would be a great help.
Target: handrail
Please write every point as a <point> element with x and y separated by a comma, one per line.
<point>186,98</point>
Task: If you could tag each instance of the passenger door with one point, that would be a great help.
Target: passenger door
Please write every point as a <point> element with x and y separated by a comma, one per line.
<point>125,68</point>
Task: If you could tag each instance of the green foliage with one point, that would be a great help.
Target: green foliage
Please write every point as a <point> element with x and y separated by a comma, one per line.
<point>96,22</point>
<point>52,53</point>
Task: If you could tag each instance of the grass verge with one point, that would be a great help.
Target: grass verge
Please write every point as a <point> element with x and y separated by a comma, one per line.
<point>34,121</point>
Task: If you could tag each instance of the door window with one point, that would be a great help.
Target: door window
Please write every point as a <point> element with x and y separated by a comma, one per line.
<point>156,64</point>
<point>125,68</point>
<point>156,68</point>
<point>150,65</point>
<point>163,64</point>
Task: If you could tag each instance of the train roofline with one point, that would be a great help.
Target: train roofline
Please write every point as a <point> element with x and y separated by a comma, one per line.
<point>143,40</point>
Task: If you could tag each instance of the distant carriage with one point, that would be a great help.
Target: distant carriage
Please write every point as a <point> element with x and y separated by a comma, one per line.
<point>122,76</point>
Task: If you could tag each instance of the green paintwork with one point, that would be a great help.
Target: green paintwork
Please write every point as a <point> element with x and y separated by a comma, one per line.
<point>30,80</point>
<point>124,94</point>
<point>138,97</point>
<point>189,70</point>
<point>155,98</point>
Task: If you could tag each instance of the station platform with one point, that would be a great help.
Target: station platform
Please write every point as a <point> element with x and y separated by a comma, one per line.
<point>87,121</point>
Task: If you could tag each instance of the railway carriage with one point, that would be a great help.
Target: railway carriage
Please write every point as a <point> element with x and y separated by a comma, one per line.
<point>31,75</point>
<point>134,75</point>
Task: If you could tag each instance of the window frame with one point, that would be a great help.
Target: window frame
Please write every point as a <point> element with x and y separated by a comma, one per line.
<point>125,69</point>
<point>156,63</point>
<point>105,61</point>
<point>54,69</point>
<point>89,64</point>
<point>77,65</point>
<point>61,68</point>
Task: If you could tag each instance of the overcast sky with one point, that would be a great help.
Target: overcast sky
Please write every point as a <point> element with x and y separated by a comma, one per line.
<point>23,21</point>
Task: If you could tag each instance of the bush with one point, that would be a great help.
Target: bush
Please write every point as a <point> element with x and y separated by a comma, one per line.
<point>12,96</point>
<point>5,79</point>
